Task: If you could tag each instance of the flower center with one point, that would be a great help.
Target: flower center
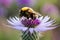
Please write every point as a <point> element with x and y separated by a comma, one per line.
<point>30,23</point>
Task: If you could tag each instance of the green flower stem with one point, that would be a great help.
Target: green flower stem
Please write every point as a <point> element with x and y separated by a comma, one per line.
<point>30,36</point>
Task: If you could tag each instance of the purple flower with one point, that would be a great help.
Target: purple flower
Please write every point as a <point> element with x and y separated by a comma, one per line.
<point>25,2</point>
<point>3,11</point>
<point>30,22</point>
<point>6,3</point>
<point>49,8</point>
<point>38,25</point>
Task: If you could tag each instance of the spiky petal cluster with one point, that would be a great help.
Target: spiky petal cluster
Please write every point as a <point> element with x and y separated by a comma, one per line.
<point>30,23</point>
<point>43,24</point>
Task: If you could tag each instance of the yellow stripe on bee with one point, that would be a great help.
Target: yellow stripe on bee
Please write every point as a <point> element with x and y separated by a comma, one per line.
<point>24,8</point>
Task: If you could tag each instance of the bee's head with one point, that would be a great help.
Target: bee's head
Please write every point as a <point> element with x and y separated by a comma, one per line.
<point>25,11</point>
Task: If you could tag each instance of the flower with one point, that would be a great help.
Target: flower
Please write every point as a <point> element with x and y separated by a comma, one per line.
<point>30,23</point>
<point>25,2</point>
<point>6,3</point>
<point>38,25</point>
<point>3,11</point>
<point>50,8</point>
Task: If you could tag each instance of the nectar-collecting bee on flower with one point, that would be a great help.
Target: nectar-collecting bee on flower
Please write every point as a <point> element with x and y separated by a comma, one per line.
<point>26,22</point>
<point>29,13</point>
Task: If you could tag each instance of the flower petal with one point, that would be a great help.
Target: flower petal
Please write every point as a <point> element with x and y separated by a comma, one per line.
<point>46,24</point>
<point>46,18</point>
<point>16,18</point>
<point>41,29</point>
<point>20,28</point>
<point>15,21</point>
<point>40,18</point>
<point>10,22</point>
<point>31,30</point>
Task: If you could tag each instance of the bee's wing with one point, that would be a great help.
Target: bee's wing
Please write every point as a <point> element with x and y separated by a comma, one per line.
<point>39,14</point>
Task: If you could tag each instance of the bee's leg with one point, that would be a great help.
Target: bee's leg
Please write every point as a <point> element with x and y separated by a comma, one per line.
<point>31,15</point>
<point>27,17</point>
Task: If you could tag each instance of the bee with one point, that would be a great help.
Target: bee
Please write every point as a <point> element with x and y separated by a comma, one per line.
<point>28,13</point>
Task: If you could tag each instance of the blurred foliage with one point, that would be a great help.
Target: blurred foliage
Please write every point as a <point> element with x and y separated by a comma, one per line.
<point>13,10</point>
<point>47,36</point>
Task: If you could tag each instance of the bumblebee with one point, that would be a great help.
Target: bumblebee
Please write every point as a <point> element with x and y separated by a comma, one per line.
<point>28,13</point>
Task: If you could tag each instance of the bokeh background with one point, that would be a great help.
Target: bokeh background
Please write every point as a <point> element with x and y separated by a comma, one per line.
<point>10,8</point>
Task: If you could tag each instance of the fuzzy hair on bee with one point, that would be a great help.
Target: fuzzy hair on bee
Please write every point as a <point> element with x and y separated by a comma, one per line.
<point>28,13</point>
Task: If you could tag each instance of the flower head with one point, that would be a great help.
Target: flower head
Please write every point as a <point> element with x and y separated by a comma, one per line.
<point>30,23</point>
<point>38,25</point>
